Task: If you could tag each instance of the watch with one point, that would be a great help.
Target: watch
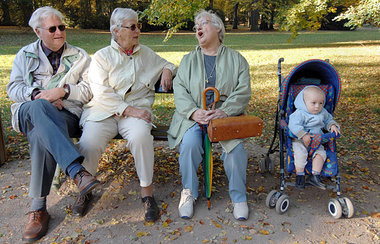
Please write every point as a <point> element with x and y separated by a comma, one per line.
<point>67,91</point>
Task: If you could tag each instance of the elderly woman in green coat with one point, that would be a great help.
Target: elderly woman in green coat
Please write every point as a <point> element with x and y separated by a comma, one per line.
<point>211,64</point>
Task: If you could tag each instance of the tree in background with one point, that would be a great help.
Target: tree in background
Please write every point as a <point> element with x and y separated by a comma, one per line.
<point>175,14</point>
<point>364,12</point>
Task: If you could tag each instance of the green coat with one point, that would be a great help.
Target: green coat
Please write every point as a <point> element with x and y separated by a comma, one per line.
<point>232,81</point>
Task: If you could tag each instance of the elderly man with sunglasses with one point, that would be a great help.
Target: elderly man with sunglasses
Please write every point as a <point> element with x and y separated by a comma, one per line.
<point>122,77</point>
<point>48,84</point>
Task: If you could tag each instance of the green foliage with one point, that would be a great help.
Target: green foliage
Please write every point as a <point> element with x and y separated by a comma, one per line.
<point>305,14</point>
<point>366,12</point>
<point>175,14</point>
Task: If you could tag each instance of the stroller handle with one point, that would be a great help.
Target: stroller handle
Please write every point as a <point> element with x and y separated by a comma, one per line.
<point>204,95</point>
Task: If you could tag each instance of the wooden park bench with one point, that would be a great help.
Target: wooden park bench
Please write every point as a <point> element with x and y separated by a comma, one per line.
<point>159,134</point>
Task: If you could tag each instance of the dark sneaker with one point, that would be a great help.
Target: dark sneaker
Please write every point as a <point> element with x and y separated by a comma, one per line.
<point>152,213</point>
<point>81,204</point>
<point>315,180</point>
<point>85,182</point>
<point>300,182</point>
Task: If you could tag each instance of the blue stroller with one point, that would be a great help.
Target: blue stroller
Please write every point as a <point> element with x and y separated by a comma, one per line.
<point>322,74</point>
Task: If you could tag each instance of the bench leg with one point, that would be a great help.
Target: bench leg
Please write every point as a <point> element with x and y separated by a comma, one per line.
<point>57,179</point>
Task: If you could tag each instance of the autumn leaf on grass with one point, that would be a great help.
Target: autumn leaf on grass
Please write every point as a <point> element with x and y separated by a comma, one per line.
<point>13,197</point>
<point>264,232</point>
<point>246,238</point>
<point>375,215</point>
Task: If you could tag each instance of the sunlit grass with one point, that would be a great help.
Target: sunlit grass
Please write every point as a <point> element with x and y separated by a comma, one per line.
<point>355,54</point>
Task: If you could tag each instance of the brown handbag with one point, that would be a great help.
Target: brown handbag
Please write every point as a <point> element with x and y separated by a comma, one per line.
<point>234,127</point>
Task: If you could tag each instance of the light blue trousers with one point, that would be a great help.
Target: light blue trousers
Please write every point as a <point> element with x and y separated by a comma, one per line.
<point>191,155</point>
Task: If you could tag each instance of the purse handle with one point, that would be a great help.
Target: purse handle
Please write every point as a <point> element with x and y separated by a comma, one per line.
<point>204,97</point>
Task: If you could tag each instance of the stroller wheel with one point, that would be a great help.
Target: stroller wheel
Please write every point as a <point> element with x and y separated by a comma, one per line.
<point>262,166</point>
<point>335,209</point>
<point>282,204</point>
<point>271,199</point>
<point>348,208</point>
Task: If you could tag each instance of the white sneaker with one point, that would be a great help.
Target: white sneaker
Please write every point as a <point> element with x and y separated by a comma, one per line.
<point>185,207</point>
<point>241,210</point>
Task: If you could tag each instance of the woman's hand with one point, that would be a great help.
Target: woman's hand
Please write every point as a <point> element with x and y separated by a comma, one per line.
<point>51,95</point>
<point>202,116</point>
<point>138,113</point>
<point>219,114</point>
<point>166,80</point>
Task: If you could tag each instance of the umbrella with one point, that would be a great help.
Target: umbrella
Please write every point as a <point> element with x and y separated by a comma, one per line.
<point>207,156</point>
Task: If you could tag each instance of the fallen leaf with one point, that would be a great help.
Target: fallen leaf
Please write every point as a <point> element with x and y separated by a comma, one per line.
<point>148,223</point>
<point>141,233</point>
<point>264,232</point>
<point>188,228</point>
<point>375,215</point>
<point>216,224</point>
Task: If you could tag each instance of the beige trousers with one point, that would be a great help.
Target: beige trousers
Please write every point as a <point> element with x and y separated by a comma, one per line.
<point>97,134</point>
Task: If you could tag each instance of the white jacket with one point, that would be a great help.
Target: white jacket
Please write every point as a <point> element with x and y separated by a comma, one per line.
<point>72,71</point>
<point>118,81</point>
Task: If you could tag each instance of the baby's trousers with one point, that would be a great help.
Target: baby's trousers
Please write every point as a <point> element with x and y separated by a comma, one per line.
<point>300,153</point>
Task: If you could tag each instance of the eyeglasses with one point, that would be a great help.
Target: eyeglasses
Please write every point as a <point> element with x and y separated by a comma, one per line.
<point>53,29</point>
<point>133,27</point>
<point>203,23</point>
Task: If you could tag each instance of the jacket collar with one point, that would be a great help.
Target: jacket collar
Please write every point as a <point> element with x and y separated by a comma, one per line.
<point>117,47</point>
<point>32,49</point>
<point>220,48</point>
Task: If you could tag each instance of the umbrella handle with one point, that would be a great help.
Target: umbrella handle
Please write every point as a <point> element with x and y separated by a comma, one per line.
<point>204,95</point>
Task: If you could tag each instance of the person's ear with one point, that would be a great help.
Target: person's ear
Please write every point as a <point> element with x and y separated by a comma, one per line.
<point>37,31</point>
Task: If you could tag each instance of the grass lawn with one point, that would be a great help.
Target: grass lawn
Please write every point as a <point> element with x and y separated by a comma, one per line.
<point>355,54</point>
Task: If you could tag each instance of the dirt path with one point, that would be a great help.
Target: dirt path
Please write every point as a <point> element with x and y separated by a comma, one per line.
<point>116,215</point>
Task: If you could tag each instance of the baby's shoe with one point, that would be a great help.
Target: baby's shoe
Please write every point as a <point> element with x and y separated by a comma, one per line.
<point>300,182</point>
<point>185,207</point>
<point>315,180</point>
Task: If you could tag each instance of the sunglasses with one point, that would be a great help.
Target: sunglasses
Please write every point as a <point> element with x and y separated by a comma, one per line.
<point>133,27</point>
<point>53,29</point>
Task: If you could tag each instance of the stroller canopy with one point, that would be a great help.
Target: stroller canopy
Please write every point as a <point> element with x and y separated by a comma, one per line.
<point>313,69</point>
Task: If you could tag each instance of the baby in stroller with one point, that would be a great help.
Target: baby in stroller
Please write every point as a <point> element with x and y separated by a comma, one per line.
<point>309,118</point>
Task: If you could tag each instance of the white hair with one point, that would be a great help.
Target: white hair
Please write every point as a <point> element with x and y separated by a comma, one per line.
<point>40,14</point>
<point>216,21</point>
<point>117,18</point>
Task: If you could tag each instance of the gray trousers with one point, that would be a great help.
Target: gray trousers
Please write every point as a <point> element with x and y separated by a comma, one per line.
<point>48,131</point>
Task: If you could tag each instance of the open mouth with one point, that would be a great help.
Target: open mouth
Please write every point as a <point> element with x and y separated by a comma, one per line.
<point>200,33</point>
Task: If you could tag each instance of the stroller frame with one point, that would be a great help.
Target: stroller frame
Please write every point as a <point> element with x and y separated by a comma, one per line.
<point>278,199</point>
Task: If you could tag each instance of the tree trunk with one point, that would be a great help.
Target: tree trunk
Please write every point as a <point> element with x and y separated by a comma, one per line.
<point>6,18</point>
<point>254,20</point>
<point>211,4</point>
<point>236,17</point>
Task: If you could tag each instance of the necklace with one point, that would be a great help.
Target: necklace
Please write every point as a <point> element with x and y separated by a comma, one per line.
<point>210,75</point>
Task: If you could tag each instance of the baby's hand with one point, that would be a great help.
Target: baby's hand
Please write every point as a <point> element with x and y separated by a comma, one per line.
<point>335,129</point>
<point>307,139</point>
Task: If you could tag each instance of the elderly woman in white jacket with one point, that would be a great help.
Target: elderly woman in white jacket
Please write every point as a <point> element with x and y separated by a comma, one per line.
<point>122,78</point>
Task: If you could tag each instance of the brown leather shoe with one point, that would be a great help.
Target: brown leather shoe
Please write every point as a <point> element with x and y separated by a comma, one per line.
<point>85,182</point>
<point>37,226</point>
<point>81,204</point>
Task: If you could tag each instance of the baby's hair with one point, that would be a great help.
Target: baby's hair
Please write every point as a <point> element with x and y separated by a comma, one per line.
<point>310,89</point>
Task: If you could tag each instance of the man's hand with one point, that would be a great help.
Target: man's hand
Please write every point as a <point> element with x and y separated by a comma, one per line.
<point>166,80</point>
<point>138,113</point>
<point>51,95</point>
<point>59,104</point>
<point>307,139</point>
<point>202,116</point>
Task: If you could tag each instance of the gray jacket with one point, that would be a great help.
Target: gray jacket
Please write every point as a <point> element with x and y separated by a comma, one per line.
<point>73,71</point>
